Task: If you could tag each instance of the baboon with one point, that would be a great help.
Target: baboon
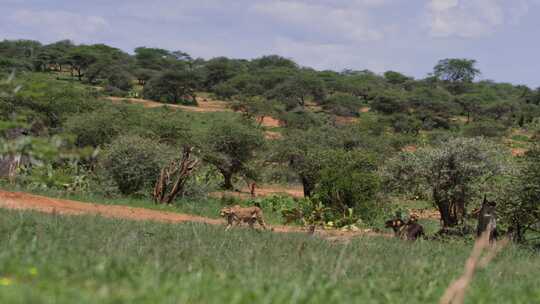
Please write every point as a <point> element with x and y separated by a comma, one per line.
<point>487,219</point>
<point>237,215</point>
<point>409,230</point>
<point>252,189</point>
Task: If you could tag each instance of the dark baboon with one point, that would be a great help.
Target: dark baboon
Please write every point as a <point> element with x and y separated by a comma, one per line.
<point>409,230</point>
<point>487,219</point>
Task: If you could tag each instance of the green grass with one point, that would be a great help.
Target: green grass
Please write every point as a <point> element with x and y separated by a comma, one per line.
<point>522,138</point>
<point>54,259</point>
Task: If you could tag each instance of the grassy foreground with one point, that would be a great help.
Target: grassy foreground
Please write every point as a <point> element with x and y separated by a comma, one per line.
<point>54,259</point>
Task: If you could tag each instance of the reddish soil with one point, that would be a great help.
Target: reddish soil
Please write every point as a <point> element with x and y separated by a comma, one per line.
<point>262,191</point>
<point>409,148</point>
<point>519,151</point>
<point>205,105</point>
<point>25,201</point>
<point>365,109</point>
<point>272,135</point>
<point>268,121</point>
<point>343,120</point>
<point>430,214</point>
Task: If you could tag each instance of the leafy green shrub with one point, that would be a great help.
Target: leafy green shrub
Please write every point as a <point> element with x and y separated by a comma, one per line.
<point>487,128</point>
<point>230,146</point>
<point>95,128</point>
<point>225,90</point>
<point>133,162</point>
<point>342,104</point>
<point>349,186</point>
<point>403,123</point>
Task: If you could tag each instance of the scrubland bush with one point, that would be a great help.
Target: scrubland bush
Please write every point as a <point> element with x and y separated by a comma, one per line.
<point>487,128</point>
<point>348,185</point>
<point>133,162</point>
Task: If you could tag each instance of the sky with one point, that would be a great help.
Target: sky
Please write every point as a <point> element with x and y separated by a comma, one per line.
<point>408,36</point>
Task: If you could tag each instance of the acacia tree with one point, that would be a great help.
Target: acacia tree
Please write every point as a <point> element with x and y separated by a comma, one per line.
<point>297,89</point>
<point>230,146</point>
<point>80,58</point>
<point>173,87</point>
<point>305,152</point>
<point>457,72</point>
<point>519,204</point>
<point>452,174</point>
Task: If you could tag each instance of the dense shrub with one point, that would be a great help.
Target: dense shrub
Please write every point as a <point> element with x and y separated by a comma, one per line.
<point>95,128</point>
<point>342,104</point>
<point>133,163</point>
<point>230,145</point>
<point>348,185</point>
<point>487,128</point>
<point>403,123</point>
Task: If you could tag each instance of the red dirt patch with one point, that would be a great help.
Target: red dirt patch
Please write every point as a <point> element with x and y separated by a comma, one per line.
<point>409,148</point>
<point>519,151</point>
<point>343,120</point>
<point>268,121</point>
<point>272,135</point>
<point>365,109</point>
<point>262,191</point>
<point>430,214</point>
<point>205,105</point>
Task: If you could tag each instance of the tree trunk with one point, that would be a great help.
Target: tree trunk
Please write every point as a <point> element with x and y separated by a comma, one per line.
<point>308,187</point>
<point>448,216</point>
<point>182,169</point>
<point>227,180</point>
<point>79,74</point>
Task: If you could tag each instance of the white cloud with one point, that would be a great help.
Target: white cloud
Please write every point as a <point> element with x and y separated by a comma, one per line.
<point>472,18</point>
<point>55,25</point>
<point>335,21</point>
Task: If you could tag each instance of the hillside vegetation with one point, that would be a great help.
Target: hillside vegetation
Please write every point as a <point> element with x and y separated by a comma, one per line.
<point>360,145</point>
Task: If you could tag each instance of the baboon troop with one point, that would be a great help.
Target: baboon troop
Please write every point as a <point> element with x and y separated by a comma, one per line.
<point>409,230</point>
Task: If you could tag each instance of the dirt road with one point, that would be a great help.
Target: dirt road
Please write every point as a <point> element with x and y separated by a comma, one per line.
<point>25,201</point>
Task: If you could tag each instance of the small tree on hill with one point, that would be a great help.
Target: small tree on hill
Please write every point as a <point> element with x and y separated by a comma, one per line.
<point>457,72</point>
<point>230,145</point>
<point>173,87</point>
<point>305,152</point>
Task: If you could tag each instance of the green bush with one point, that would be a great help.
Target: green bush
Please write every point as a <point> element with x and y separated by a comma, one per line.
<point>487,128</point>
<point>95,128</point>
<point>349,186</point>
<point>133,162</point>
<point>342,104</point>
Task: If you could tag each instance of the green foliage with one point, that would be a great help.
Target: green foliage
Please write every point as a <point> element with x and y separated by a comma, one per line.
<point>173,87</point>
<point>458,73</point>
<point>133,163</point>
<point>456,70</point>
<point>342,104</point>
<point>487,128</point>
<point>230,145</point>
<point>297,89</point>
<point>389,103</point>
<point>50,102</point>
<point>452,173</point>
<point>195,263</point>
<point>396,78</point>
<point>348,185</point>
<point>519,205</point>
<point>403,123</point>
